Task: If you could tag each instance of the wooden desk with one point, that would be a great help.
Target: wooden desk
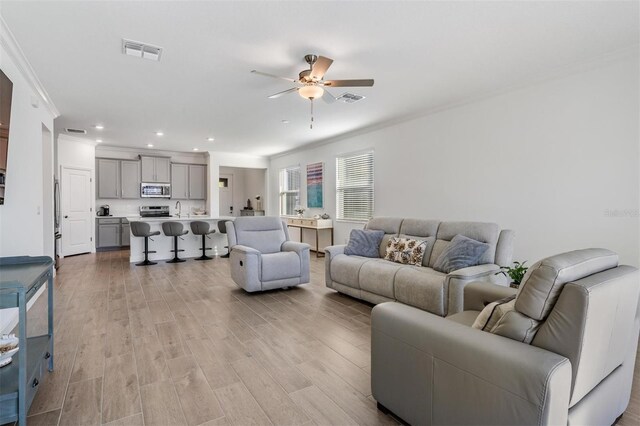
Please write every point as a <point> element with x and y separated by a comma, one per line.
<point>324,225</point>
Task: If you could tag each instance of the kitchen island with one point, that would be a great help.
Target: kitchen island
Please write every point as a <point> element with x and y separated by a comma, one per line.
<point>190,243</point>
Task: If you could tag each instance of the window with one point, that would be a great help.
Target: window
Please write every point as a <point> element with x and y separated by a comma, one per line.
<point>354,186</point>
<point>289,190</point>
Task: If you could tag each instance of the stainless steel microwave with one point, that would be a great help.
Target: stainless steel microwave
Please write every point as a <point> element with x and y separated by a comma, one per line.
<point>155,190</point>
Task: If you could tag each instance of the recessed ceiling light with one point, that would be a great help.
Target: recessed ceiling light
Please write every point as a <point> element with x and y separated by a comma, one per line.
<point>285,121</point>
<point>195,149</point>
<point>159,133</point>
<point>99,140</point>
<point>99,126</point>
<point>149,145</point>
<point>210,139</point>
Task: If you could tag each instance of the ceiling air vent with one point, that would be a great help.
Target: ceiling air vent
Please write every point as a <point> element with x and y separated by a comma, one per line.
<point>350,98</point>
<point>141,50</point>
<point>76,131</point>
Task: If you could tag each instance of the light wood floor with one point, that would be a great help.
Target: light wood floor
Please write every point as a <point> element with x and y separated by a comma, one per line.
<point>181,344</point>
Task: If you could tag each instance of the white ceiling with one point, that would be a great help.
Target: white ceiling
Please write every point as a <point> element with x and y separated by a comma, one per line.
<point>422,55</point>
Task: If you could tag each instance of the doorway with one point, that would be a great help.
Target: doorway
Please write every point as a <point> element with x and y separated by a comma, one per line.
<point>225,189</point>
<point>77,214</point>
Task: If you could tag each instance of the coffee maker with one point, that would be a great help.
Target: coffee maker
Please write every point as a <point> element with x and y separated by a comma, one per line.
<point>103,210</point>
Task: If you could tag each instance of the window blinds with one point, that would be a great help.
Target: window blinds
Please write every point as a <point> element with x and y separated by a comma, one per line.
<point>289,190</point>
<point>354,186</point>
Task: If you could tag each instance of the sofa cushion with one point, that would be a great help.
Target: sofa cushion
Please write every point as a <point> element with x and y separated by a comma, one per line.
<point>377,276</point>
<point>461,253</point>
<point>421,287</point>
<point>277,266</point>
<point>516,326</point>
<point>407,251</point>
<point>465,317</point>
<point>346,269</point>
<point>479,231</point>
<point>390,226</point>
<point>364,242</point>
<point>544,280</point>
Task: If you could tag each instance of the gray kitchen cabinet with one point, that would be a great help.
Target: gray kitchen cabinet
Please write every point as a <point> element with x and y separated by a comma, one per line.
<point>155,169</point>
<point>108,173</point>
<point>108,235</point>
<point>148,166</point>
<point>125,234</point>
<point>130,179</point>
<point>180,181</point>
<point>163,169</point>
<point>197,182</point>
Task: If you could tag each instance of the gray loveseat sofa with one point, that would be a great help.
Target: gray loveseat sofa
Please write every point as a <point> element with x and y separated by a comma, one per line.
<point>377,280</point>
<point>581,314</point>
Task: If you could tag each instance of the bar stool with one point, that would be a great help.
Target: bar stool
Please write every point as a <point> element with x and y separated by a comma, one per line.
<point>175,230</point>
<point>222,227</point>
<point>199,227</point>
<point>143,229</point>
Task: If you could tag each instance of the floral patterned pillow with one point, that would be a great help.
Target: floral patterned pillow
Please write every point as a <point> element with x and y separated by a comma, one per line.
<point>406,251</point>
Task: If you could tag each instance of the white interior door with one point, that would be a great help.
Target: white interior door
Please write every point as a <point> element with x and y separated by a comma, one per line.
<point>225,188</point>
<point>77,217</point>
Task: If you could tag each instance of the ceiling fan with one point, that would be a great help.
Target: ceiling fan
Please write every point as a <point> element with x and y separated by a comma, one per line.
<point>311,84</point>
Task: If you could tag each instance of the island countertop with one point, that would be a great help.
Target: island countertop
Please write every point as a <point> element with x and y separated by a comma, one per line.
<point>182,218</point>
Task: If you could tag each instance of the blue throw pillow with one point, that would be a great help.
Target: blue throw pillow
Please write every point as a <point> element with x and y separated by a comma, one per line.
<point>461,252</point>
<point>363,242</point>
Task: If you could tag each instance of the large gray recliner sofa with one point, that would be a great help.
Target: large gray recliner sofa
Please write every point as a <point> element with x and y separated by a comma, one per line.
<point>579,311</point>
<point>377,280</point>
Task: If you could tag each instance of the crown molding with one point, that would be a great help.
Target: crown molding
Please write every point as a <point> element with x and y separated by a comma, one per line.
<point>628,52</point>
<point>11,46</point>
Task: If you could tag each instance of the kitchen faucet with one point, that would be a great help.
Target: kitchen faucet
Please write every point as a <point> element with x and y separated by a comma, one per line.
<point>179,208</point>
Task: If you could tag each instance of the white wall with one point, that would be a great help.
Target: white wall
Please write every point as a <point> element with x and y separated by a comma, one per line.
<point>247,183</point>
<point>21,217</point>
<point>558,162</point>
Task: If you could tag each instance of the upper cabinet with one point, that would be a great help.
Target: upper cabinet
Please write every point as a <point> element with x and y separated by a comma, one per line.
<point>197,182</point>
<point>117,178</point>
<point>155,169</point>
<point>180,181</point>
<point>130,179</point>
<point>108,174</point>
<point>188,181</point>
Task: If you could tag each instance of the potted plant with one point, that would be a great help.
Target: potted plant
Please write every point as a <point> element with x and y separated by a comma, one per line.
<point>299,210</point>
<point>515,273</point>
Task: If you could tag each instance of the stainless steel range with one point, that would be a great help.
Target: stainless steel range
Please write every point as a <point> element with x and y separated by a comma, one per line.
<point>154,211</point>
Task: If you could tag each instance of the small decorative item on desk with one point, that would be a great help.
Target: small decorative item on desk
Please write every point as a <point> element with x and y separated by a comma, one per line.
<point>325,216</point>
<point>8,347</point>
<point>299,210</point>
<point>516,273</point>
<point>249,207</point>
<point>258,202</point>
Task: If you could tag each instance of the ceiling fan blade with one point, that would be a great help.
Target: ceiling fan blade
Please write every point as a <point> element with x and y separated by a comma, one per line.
<point>266,74</point>
<point>348,83</point>
<point>320,67</point>
<point>328,97</point>
<point>277,95</point>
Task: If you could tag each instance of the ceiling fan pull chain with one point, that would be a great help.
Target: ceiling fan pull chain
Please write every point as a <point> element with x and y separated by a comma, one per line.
<point>311,124</point>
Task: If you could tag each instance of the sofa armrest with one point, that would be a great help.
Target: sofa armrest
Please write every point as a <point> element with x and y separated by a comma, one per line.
<point>429,370</point>
<point>330,253</point>
<point>457,280</point>
<point>479,294</point>
<point>303,251</point>
<point>246,267</point>
<point>295,246</point>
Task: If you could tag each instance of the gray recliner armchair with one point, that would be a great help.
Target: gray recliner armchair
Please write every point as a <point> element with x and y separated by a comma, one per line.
<point>263,257</point>
<point>563,354</point>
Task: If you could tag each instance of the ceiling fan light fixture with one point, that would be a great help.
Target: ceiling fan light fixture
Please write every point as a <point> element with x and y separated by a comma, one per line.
<point>311,92</point>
